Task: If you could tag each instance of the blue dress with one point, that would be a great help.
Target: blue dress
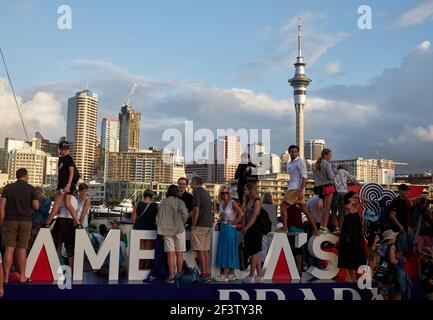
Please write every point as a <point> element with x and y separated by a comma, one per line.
<point>227,254</point>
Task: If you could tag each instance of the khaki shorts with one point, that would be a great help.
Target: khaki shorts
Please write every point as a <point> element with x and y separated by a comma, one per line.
<point>175,243</point>
<point>200,238</point>
<point>291,197</point>
<point>16,234</point>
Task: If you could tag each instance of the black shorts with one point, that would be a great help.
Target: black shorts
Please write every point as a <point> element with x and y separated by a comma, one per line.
<point>71,189</point>
<point>64,232</point>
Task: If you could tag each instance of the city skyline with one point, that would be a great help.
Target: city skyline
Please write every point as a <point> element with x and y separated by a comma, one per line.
<point>363,101</point>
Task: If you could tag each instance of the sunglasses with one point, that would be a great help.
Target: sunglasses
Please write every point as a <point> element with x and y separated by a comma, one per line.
<point>224,193</point>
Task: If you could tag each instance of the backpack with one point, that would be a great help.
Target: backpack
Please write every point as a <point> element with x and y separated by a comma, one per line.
<point>76,175</point>
<point>386,271</point>
<point>264,222</point>
<point>187,276</point>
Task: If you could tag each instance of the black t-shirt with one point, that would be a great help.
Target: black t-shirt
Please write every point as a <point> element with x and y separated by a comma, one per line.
<point>401,207</point>
<point>245,173</point>
<point>146,220</point>
<point>187,197</point>
<point>63,167</point>
<point>19,196</point>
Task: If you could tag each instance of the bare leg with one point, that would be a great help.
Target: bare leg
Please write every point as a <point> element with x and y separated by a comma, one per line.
<point>326,210</point>
<point>56,207</point>
<point>179,261</point>
<point>21,259</point>
<point>253,262</point>
<point>203,261</point>
<point>9,258</point>
<point>170,261</point>
<point>71,208</point>
<point>309,217</point>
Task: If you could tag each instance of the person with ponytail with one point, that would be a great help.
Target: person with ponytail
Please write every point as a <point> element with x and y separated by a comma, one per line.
<point>324,183</point>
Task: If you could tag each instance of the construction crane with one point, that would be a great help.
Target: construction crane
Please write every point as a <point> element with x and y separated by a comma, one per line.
<point>128,97</point>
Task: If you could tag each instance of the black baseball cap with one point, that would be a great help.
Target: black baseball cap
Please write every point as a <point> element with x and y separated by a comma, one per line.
<point>403,187</point>
<point>64,145</point>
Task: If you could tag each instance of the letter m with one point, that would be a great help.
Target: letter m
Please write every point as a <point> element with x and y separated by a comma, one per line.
<point>110,246</point>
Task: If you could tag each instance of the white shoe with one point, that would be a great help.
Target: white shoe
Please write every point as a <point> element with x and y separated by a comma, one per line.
<point>221,278</point>
<point>259,279</point>
<point>232,277</point>
<point>248,279</point>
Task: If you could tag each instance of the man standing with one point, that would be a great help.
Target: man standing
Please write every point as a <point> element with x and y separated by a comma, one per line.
<point>202,222</point>
<point>245,172</point>
<point>295,194</point>
<point>18,200</point>
<point>399,216</point>
<point>186,197</point>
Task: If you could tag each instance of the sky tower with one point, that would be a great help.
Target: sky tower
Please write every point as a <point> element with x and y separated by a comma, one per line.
<point>299,83</point>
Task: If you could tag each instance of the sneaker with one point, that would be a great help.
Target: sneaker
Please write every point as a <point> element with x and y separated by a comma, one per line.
<point>204,279</point>
<point>259,279</point>
<point>336,231</point>
<point>221,278</point>
<point>232,277</point>
<point>248,279</point>
<point>170,280</point>
<point>323,230</point>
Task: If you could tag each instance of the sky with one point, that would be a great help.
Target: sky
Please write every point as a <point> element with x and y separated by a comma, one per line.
<point>225,64</point>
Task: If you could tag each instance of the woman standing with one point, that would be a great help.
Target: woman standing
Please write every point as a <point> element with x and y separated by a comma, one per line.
<point>83,205</point>
<point>144,218</point>
<point>324,182</point>
<point>228,256</point>
<point>351,252</point>
<point>171,218</point>
<point>252,232</point>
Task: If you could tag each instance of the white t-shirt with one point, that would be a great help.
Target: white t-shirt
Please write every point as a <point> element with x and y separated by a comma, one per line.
<point>313,206</point>
<point>63,212</point>
<point>297,170</point>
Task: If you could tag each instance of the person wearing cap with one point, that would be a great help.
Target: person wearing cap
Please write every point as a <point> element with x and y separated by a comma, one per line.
<point>68,177</point>
<point>426,271</point>
<point>399,216</point>
<point>387,252</point>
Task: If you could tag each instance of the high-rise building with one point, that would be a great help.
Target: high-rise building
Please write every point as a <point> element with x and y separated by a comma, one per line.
<point>129,129</point>
<point>81,131</point>
<point>313,149</point>
<point>51,171</point>
<point>225,152</point>
<point>299,83</point>
<point>110,135</point>
<point>9,145</point>
<point>31,159</point>
<point>143,165</point>
<point>177,164</point>
<point>379,171</point>
<point>40,143</point>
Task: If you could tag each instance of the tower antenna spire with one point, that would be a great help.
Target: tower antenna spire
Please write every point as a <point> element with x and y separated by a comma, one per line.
<point>299,38</point>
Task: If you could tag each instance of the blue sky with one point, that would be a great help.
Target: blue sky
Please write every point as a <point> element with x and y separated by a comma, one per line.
<point>220,45</point>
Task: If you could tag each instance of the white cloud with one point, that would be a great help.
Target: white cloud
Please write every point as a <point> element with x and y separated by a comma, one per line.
<point>408,134</point>
<point>424,47</point>
<point>332,68</point>
<point>40,113</point>
<point>417,14</point>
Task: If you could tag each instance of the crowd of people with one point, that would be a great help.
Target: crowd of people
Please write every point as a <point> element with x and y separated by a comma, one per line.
<point>405,231</point>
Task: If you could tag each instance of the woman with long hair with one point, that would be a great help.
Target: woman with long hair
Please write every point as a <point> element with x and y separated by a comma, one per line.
<point>252,232</point>
<point>351,251</point>
<point>324,183</point>
<point>227,255</point>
